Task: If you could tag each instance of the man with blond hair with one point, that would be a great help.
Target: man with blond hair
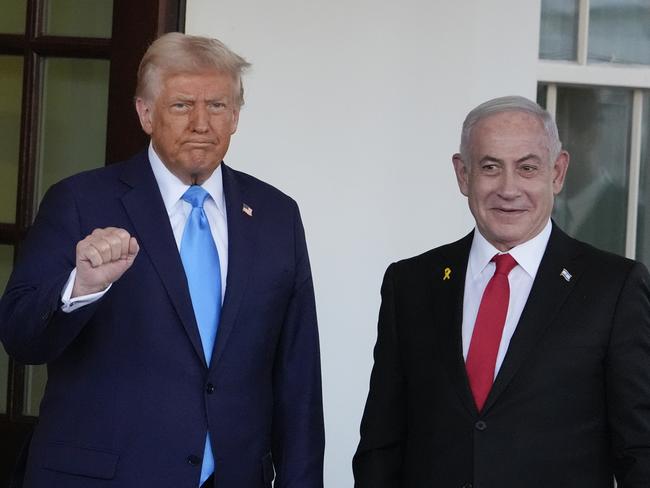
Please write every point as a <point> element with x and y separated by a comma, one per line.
<point>516,357</point>
<point>171,298</point>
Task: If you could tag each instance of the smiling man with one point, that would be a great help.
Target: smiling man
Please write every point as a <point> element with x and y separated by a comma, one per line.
<point>516,356</point>
<point>171,297</point>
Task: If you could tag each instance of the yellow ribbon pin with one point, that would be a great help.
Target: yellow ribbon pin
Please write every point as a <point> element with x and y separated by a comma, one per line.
<point>447,275</point>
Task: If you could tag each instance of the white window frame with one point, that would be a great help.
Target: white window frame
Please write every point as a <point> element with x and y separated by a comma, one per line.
<point>637,77</point>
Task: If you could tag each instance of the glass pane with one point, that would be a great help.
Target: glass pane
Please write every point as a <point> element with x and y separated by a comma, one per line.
<point>12,20</point>
<point>73,124</point>
<point>643,226</point>
<point>11,92</point>
<point>81,19</point>
<point>558,35</point>
<point>6,263</point>
<point>35,379</point>
<point>619,31</point>
<point>594,126</point>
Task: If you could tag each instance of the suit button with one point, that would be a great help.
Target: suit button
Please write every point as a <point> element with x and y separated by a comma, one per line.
<point>480,425</point>
<point>193,460</point>
<point>209,388</point>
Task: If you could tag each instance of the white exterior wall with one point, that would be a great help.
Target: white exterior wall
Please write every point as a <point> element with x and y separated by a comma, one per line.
<point>354,107</point>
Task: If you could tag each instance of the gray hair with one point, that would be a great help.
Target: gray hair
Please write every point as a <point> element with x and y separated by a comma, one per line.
<point>175,53</point>
<point>509,104</point>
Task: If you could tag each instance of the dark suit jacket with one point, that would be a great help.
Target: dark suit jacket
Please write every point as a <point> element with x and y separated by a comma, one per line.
<point>129,396</point>
<point>570,406</point>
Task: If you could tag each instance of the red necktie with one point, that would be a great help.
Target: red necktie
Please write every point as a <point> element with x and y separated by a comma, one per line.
<point>488,328</point>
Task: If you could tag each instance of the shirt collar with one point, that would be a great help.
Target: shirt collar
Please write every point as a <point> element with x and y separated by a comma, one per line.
<point>172,189</point>
<point>528,254</point>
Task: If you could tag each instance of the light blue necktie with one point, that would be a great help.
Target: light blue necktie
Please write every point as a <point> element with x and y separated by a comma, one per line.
<point>201,262</point>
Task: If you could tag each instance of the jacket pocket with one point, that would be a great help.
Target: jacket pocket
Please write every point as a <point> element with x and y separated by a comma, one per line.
<point>267,469</point>
<point>81,461</point>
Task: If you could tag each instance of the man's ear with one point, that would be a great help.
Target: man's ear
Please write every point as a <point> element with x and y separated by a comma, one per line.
<point>560,168</point>
<point>462,174</point>
<point>144,110</point>
<point>235,121</point>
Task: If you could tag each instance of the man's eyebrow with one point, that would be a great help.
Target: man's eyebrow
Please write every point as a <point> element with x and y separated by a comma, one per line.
<point>529,156</point>
<point>183,97</point>
<point>490,159</point>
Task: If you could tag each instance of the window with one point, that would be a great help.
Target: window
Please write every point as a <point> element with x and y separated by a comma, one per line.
<point>594,77</point>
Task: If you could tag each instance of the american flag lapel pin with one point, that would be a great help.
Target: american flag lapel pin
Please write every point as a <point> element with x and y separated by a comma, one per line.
<point>566,275</point>
<point>247,210</point>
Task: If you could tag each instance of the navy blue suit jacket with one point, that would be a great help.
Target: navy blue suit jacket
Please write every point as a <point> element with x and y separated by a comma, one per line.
<point>129,396</point>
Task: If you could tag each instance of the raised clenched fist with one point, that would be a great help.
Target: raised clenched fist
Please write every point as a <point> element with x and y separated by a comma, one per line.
<point>102,258</point>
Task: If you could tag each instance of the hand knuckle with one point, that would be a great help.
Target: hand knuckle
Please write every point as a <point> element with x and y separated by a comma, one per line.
<point>113,240</point>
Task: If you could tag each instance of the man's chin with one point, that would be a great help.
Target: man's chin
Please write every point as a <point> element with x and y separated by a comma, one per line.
<point>200,154</point>
<point>505,236</point>
<point>200,161</point>
<point>196,170</point>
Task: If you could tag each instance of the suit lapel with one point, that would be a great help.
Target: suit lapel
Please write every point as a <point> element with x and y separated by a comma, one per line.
<point>550,290</point>
<point>448,315</point>
<point>145,208</point>
<point>242,230</point>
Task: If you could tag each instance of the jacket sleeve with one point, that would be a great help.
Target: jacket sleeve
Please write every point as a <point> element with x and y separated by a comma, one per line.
<point>378,460</point>
<point>33,328</point>
<point>628,381</point>
<point>298,431</point>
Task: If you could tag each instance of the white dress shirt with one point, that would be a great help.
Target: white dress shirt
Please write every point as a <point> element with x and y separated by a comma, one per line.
<point>479,271</point>
<point>178,210</point>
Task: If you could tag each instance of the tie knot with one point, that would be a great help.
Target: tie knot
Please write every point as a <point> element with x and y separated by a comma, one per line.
<point>195,196</point>
<point>505,263</point>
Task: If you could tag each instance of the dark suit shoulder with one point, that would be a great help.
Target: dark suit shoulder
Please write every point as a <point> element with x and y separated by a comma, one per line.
<point>453,253</point>
<point>93,180</point>
<point>601,261</point>
<point>261,189</point>
<point>606,258</point>
<point>598,274</point>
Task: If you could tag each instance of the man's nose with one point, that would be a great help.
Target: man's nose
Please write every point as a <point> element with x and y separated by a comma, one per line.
<point>508,187</point>
<point>200,119</point>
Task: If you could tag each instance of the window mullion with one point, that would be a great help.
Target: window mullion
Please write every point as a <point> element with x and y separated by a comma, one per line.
<point>635,174</point>
<point>551,99</point>
<point>583,32</point>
